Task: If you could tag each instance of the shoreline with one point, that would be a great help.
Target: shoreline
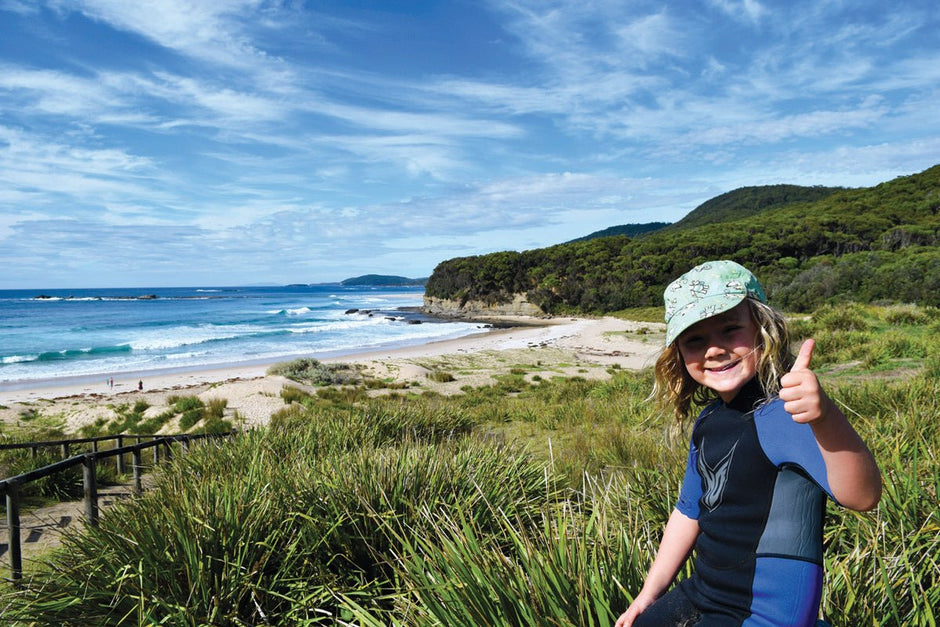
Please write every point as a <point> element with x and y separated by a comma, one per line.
<point>566,346</point>
<point>26,390</point>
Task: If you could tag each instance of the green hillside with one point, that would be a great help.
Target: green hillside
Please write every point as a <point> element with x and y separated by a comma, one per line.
<point>748,201</point>
<point>630,230</point>
<point>867,245</point>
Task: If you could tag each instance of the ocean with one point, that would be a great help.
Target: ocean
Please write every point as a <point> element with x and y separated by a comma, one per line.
<point>56,334</point>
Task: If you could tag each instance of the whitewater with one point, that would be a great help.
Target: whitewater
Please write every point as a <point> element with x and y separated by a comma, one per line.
<point>88,333</point>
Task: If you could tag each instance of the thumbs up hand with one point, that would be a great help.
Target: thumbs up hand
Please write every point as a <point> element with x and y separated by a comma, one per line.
<point>800,391</point>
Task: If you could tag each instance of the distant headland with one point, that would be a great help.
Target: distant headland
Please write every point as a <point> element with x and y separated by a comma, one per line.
<point>375,280</point>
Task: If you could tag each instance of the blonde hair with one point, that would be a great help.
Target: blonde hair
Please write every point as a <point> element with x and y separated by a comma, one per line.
<point>676,389</point>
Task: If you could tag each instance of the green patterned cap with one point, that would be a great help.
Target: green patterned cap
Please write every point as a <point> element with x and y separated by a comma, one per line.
<point>705,291</point>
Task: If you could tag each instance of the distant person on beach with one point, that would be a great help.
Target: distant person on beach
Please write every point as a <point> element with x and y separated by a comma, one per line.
<point>140,384</point>
<point>766,451</point>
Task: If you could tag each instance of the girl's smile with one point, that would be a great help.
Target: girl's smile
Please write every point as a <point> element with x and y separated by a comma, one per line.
<point>720,352</point>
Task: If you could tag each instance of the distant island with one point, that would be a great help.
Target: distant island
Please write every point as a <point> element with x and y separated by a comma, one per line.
<point>377,280</point>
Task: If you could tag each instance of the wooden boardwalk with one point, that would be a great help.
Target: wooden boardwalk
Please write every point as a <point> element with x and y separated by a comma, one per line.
<point>41,529</point>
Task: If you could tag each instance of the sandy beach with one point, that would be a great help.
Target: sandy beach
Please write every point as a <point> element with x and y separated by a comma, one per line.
<point>586,347</point>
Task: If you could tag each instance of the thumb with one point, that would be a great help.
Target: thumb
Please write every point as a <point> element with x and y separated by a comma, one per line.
<point>805,356</point>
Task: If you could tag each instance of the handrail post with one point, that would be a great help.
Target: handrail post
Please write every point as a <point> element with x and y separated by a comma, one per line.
<point>91,489</point>
<point>136,462</point>
<point>13,527</point>
<point>65,450</point>
<point>156,453</point>
<point>120,457</point>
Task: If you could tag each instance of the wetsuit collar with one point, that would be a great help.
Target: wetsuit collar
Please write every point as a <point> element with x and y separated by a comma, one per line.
<point>748,396</point>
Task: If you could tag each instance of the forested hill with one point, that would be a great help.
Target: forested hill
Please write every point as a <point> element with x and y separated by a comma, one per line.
<point>733,205</point>
<point>630,230</point>
<point>867,244</point>
<point>747,201</point>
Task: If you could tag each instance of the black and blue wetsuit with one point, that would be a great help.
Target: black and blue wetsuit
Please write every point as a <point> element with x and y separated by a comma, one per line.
<point>756,483</point>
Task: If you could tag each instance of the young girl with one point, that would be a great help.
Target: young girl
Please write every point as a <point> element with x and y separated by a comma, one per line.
<point>766,451</point>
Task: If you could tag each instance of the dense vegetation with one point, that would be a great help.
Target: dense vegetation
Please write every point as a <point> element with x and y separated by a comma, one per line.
<point>748,201</point>
<point>630,230</point>
<point>867,245</point>
<point>532,501</point>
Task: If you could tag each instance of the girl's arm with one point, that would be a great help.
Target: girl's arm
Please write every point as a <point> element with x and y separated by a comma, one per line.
<point>678,540</point>
<point>851,470</point>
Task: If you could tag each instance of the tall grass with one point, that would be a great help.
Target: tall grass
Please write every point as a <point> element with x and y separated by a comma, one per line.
<point>536,502</point>
<point>275,527</point>
<point>885,568</point>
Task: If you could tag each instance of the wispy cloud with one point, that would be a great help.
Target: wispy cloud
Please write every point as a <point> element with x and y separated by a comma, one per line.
<point>254,135</point>
<point>202,28</point>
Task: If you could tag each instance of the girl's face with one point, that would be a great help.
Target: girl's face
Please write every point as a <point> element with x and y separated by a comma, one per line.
<point>719,352</point>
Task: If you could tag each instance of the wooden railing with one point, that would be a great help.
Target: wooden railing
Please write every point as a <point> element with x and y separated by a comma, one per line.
<point>10,487</point>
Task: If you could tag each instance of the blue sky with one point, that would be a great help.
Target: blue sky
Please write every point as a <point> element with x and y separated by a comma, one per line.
<point>172,142</point>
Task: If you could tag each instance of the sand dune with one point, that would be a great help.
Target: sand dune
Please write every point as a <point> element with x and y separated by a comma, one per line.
<point>585,347</point>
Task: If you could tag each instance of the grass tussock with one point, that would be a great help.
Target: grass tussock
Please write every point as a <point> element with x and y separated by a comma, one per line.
<point>526,502</point>
<point>314,372</point>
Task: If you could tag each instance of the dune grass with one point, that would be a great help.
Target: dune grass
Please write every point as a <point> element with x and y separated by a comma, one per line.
<point>522,503</point>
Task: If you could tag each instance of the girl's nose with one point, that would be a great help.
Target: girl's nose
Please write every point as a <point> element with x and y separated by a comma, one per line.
<point>713,350</point>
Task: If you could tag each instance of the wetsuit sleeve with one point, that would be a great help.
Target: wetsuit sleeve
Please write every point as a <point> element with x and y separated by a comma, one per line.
<point>691,489</point>
<point>789,443</point>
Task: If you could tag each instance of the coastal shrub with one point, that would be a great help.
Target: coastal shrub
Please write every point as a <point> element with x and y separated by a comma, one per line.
<point>907,315</point>
<point>291,394</point>
<point>190,417</point>
<point>315,372</point>
<point>93,429</point>
<point>288,416</point>
<point>380,384</point>
<point>214,424</point>
<point>876,337</point>
<point>344,396</point>
<point>440,376</point>
<point>847,317</point>
<point>128,418</point>
<point>185,403</point>
<point>28,414</point>
<point>216,407</point>
<point>154,424</point>
<point>192,409</point>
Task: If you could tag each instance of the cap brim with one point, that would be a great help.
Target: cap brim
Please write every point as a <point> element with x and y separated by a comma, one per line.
<point>700,310</point>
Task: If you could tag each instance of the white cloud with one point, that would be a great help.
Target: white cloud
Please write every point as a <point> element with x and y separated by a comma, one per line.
<point>200,28</point>
<point>255,134</point>
<point>747,10</point>
<point>48,168</point>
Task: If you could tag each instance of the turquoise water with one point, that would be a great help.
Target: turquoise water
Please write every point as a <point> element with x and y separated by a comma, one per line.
<point>54,334</point>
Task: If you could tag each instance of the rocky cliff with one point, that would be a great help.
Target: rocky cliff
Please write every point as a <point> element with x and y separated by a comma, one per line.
<point>476,308</point>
